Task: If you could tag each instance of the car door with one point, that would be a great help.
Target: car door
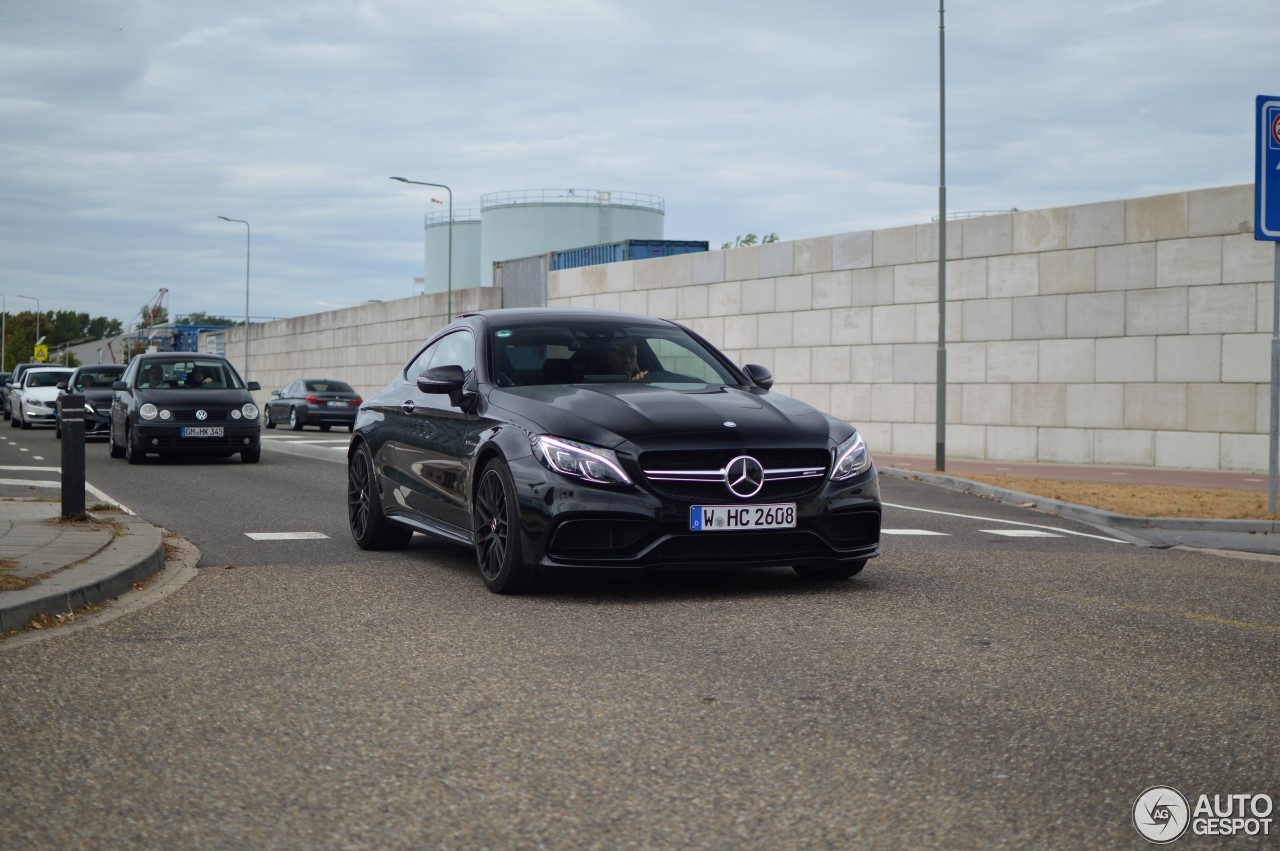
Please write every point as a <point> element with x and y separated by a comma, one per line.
<point>120,403</point>
<point>436,438</point>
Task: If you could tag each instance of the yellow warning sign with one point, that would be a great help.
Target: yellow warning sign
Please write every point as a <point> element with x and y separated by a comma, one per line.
<point>41,353</point>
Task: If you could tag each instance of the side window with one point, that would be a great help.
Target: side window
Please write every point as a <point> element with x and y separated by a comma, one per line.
<point>419,364</point>
<point>459,348</point>
<point>673,357</point>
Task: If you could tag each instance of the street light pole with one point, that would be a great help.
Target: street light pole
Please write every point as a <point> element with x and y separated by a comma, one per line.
<point>4,313</point>
<point>246,292</point>
<point>940,458</point>
<point>449,308</point>
<point>37,301</point>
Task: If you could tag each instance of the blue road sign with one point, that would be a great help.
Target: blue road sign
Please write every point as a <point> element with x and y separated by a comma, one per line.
<point>1266,187</point>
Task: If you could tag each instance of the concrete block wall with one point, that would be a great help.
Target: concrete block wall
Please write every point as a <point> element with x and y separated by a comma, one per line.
<point>1132,332</point>
<point>363,345</point>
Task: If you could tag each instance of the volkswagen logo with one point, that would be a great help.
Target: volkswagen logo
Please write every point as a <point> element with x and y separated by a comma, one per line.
<point>744,476</point>
<point>202,415</point>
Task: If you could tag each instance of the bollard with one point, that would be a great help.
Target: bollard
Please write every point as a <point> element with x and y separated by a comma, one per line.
<point>71,421</point>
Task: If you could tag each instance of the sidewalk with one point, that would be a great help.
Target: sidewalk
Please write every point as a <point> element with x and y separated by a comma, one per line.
<point>75,562</point>
<point>1255,536</point>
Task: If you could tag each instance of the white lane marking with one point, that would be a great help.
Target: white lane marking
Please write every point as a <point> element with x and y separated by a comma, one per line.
<point>35,483</point>
<point>1006,522</point>
<point>286,536</point>
<point>45,483</point>
<point>30,469</point>
<point>912,532</point>
<point>1021,533</point>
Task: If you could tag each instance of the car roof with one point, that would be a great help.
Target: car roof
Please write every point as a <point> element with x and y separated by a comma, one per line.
<point>537,315</point>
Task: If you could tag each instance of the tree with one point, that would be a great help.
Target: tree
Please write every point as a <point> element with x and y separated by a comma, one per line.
<point>749,239</point>
<point>201,318</point>
<point>153,314</point>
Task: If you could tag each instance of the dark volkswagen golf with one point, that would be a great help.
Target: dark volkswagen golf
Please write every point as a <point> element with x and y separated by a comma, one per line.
<point>192,403</point>
<point>552,439</point>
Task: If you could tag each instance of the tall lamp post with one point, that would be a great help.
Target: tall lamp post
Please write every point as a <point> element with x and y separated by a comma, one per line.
<point>940,454</point>
<point>449,307</point>
<point>37,301</point>
<point>246,291</point>
<point>4,312</point>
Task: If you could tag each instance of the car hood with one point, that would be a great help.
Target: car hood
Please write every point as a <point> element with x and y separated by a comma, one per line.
<point>189,398</point>
<point>44,394</point>
<point>610,414</point>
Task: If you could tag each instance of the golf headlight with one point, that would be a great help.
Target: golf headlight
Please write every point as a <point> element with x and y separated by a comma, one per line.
<point>851,458</point>
<point>249,410</point>
<point>148,411</point>
<point>580,460</point>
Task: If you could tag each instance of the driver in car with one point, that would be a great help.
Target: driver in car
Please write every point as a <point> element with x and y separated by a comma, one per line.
<point>623,360</point>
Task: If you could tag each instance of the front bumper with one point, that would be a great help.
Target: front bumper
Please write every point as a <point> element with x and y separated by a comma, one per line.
<point>567,524</point>
<point>168,437</point>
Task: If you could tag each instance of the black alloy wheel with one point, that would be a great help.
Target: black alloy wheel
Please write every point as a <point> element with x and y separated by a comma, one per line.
<point>495,523</point>
<point>830,572</point>
<point>369,526</point>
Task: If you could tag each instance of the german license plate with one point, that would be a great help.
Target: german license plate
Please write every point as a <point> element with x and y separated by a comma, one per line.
<point>736,518</point>
<point>202,431</point>
<point>333,403</point>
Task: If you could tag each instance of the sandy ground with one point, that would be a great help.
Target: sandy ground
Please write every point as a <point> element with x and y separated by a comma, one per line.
<point>1141,500</point>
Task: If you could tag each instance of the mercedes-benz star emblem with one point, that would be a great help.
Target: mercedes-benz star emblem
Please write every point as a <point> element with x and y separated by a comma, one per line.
<point>744,476</point>
<point>202,415</point>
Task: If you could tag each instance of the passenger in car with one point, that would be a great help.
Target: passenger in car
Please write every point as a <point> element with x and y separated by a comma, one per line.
<point>197,378</point>
<point>154,376</point>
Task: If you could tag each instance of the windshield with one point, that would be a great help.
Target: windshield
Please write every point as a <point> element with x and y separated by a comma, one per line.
<point>595,352</point>
<point>98,378</point>
<point>47,377</point>
<point>193,374</point>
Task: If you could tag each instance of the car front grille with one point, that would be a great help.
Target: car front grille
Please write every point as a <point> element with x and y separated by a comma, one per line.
<point>215,415</point>
<point>699,476</point>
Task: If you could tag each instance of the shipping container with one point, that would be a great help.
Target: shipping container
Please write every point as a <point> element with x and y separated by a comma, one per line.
<point>628,249</point>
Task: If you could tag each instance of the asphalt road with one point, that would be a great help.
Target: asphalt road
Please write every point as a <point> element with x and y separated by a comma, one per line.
<point>970,688</point>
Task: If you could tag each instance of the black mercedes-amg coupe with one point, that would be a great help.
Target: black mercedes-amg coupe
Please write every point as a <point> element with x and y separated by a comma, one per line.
<point>551,439</point>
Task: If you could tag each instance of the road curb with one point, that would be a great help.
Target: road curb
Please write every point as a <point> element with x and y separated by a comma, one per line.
<point>1071,511</point>
<point>133,556</point>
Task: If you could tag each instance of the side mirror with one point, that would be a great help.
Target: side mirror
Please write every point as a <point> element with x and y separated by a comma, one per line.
<point>759,375</point>
<point>62,385</point>
<point>442,379</point>
<point>119,385</point>
<point>253,385</point>
<point>275,394</point>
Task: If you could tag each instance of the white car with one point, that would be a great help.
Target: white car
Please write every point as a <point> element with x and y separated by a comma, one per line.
<point>35,398</point>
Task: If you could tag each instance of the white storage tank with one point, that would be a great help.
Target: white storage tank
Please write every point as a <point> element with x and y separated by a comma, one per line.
<point>525,222</point>
<point>466,250</point>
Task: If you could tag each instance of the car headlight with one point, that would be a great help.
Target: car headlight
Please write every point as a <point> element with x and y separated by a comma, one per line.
<point>148,411</point>
<point>851,458</point>
<point>581,460</point>
<point>249,410</point>
<point>88,408</point>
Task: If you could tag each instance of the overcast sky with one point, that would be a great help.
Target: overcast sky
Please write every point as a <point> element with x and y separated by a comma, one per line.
<point>130,125</point>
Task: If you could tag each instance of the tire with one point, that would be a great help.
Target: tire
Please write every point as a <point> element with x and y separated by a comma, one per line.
<point>22,422</point>
<point>294,422</point>
<point>57,428</point>
<point>116,451</point>
<point>324,427</point>
<point>134,450</point>
<point>830,572</point>
<point>369,526</point>
<point>13,421</point>
<point>495,517</point>
<point>270,422</point>
<point>251,456</point>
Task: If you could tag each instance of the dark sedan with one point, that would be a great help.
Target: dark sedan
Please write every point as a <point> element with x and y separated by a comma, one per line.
<point>325,402</point>
<point>183,403</point>
<point>94,384</point>
<point>551,439</point>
